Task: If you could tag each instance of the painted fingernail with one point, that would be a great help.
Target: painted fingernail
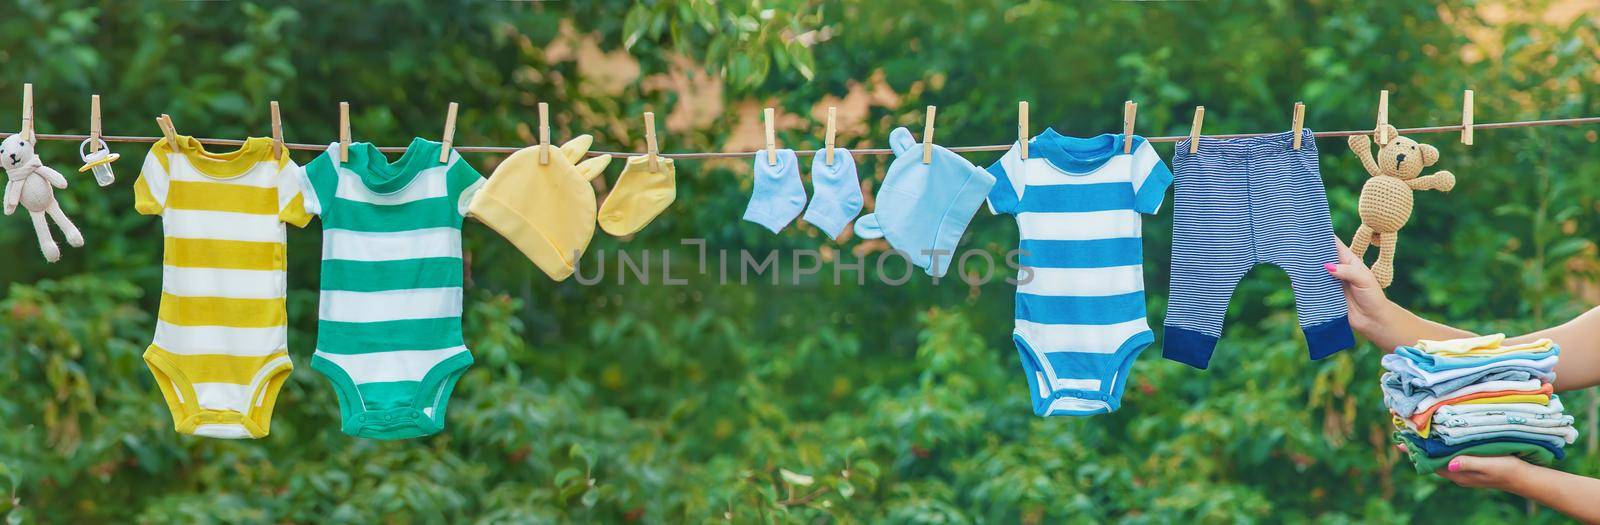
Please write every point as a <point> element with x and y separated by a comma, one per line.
<point>1455,465</point>
<point>1330,267</point>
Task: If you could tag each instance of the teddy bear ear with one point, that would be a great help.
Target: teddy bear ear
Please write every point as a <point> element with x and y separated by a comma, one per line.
<point>593,167</point>
<point>1430,154</point>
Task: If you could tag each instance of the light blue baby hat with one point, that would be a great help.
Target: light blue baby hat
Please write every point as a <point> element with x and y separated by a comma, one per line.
<point>924,208</point>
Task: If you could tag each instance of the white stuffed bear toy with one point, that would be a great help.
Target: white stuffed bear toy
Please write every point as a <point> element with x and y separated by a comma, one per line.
<point>29,183</point>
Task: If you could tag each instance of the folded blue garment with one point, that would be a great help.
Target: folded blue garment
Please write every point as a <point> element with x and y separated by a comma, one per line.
<point>1437,448</point>
<point>1406,384</point>
<point>1435,363</point>
<point>1402,395</point>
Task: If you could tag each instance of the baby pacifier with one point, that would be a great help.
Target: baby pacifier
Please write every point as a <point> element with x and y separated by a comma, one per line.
<point>98,160</point>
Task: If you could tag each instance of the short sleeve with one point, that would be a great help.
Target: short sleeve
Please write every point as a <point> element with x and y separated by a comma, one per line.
<point>1150,178</point>
<point>463,182</point>
<point>291,199</point>
<point>1009,182</point>
<point>150,189</point>
<point>319,181</point>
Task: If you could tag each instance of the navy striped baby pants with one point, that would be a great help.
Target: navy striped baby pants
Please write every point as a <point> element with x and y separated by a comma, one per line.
<point>1238,203</point>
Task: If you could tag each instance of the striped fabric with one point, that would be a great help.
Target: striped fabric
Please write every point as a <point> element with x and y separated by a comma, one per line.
<point>1239,203</point>
<point>1080,319</point>
<point>389,327</point>
<point>220,350</point>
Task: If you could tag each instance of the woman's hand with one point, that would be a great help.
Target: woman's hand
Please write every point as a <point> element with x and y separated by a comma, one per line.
<point>1568,494</point>
<point>1496,472</point>
<point>1373,315</point>
<point>1491,472</point>
<point>1368,305</point>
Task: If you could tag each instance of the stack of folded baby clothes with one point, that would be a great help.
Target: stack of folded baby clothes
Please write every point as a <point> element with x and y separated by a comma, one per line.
<point>1476,397</point>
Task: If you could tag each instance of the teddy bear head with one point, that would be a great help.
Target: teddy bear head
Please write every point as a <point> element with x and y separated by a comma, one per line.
<point>15,151</point>
<point>1404,158</point>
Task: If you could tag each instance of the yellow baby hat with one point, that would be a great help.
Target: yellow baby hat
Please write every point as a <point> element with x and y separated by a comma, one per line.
<point>547,210</point>
<point>642,193</point>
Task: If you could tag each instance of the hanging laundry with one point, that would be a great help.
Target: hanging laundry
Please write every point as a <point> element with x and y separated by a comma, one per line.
<point>641,194</point>
<point>923,208</point>
<point>32,185</point>
<point>546,210</point>
<point>778,195</point>
<point>1239,203</point>
<point>836,192</point>
<point>220,351</point>
<point>1386,198</point>
<point>389,319</point>
<point>1080,319</point>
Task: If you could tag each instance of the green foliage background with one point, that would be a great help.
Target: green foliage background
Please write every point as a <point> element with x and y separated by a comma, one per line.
<point>813,403</point>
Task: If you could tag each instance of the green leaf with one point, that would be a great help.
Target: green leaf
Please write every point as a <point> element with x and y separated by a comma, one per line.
<point>634,24</point>
<point>566,475</point>
<point>590,498</point>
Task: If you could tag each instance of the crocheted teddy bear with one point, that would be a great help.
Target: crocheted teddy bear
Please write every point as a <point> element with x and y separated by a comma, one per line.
<point>29,183</point>
<point>1386,200</point>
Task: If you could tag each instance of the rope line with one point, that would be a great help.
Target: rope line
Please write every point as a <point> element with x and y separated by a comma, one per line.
<point>1577,121</point>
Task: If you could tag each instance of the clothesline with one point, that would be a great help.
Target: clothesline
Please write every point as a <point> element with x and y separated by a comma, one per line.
<point>1578,121</point>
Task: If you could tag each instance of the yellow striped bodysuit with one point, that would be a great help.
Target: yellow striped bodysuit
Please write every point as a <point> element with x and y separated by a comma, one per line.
<point>220,351</point>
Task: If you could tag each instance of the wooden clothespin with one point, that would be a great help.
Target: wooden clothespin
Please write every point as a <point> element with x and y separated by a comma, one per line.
<point>1130,109</point>
<point>1466,117</point>
<point>1022,129</point>
<point>827,140</point>
<point>1381,130</point>
<point>1194,130</point>
<point>344,132</point>
<point>927,137</point>
<point>168,130</point>
<point>27,112</point>
<point>650,141</point>
<point>1299,122</point>
<point>277,130</point>
<point>449,132</point>
<point>772,139</point>
<point>544,133</point>
<point>94,123</point>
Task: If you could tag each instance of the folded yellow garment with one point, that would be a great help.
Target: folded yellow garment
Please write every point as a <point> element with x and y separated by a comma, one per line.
<point>1465,344</point>
<point>1481,346</point>
<point>1539,399</point>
